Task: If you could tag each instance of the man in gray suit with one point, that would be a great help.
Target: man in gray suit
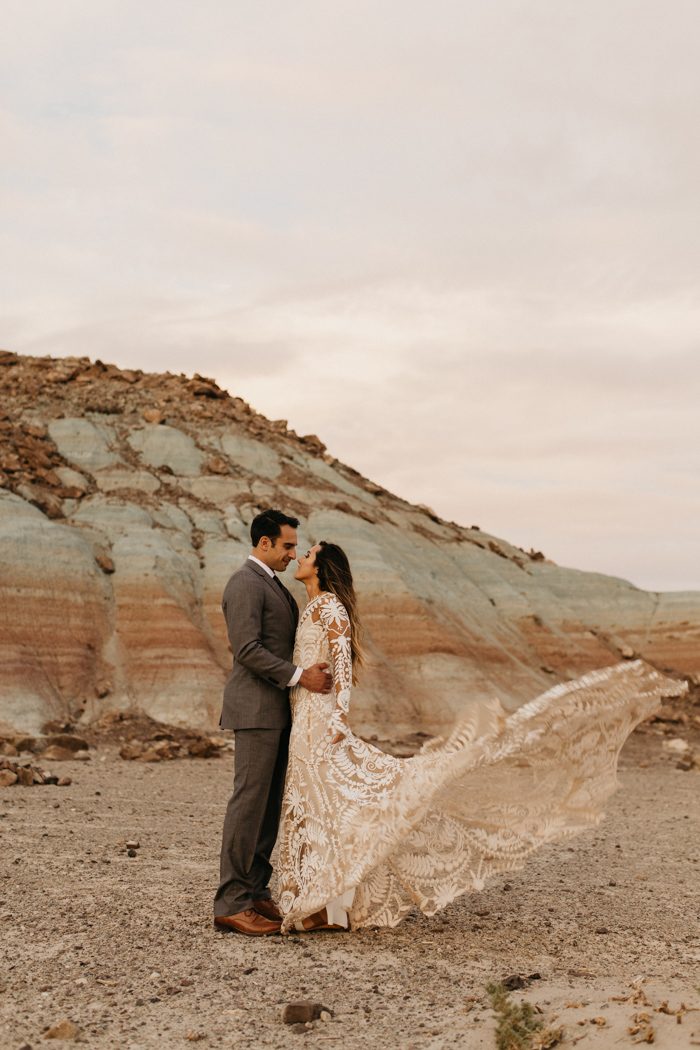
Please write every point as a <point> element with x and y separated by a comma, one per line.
<point>261,618</point>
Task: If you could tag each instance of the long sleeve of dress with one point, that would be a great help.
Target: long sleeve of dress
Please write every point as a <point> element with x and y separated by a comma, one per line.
<point>336,623</point>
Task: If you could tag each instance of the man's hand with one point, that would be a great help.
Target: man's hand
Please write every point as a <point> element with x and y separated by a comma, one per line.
<point>316,679</point>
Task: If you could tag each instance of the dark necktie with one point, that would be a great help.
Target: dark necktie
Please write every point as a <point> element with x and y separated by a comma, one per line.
<point>285,592</point>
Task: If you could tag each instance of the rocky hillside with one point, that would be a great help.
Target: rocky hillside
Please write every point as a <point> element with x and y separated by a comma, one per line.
<point>124,505</point>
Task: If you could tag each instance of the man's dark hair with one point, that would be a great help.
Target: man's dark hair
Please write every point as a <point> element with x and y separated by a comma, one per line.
<point>269,523</point>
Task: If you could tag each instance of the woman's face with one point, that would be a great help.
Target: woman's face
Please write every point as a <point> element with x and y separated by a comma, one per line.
<point>307,564</point>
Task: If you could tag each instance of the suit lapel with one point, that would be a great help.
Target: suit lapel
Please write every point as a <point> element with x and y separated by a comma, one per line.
<point>277,590</point>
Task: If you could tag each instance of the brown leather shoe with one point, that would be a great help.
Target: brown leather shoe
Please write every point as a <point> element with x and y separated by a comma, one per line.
<point>269,909</point>
<point>248,922</point>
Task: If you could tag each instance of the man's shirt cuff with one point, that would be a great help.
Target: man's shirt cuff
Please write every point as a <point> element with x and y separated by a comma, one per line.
<point>295,677</point>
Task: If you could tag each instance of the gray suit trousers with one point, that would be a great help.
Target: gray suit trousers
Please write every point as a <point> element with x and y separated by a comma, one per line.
<point>252,818</point>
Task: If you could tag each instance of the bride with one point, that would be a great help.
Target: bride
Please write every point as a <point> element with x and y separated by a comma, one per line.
<point>365,837</point>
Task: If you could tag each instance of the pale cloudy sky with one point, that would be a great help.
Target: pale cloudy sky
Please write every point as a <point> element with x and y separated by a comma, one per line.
<point>460,241</point>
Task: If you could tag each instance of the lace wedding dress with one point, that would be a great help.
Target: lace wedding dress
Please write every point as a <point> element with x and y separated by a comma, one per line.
<point>372,835</point>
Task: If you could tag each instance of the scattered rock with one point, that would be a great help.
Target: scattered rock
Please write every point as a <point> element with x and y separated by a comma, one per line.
<point>63,1030</point>
<point>313,443</point>
<point>55,725</point>
<point>65,782</point>
<point>303,1011</point>
<point>217,465</point>
<point>55,753</point>
<point>153,415</point>
<point>200,386</point>
<point>25,776</point>
<point>514,982</point>
<point>191,745</point>
<point>69,741</point>
<point>105,563</point>
<point>676,745</point>
<point>133,844</point>
<point>25,743</point>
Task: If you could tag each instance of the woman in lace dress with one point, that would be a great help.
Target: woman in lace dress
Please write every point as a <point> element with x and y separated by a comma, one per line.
<point>365,837</point>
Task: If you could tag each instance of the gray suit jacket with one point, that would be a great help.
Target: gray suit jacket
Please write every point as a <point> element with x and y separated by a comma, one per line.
<point>261,625</point>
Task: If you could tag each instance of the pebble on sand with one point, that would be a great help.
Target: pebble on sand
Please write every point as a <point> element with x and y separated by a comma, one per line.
<point>303,1011</point>
<point>64,1029</point>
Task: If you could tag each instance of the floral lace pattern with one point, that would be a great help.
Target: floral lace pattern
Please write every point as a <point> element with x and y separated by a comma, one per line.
<point>420,831</point>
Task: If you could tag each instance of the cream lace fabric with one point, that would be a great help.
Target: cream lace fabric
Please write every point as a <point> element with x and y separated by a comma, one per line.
<point>417,832</point>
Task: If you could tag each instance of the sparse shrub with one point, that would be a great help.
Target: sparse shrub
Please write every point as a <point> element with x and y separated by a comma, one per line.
<point>519,1026</point>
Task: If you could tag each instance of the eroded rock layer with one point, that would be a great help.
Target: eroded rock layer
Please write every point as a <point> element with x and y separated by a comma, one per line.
<point>125,501</point>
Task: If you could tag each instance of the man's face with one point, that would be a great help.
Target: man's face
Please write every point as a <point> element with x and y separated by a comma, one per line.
<point>278,553</point>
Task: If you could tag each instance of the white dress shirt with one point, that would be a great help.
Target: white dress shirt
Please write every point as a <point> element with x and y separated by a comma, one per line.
<point>297,674</point>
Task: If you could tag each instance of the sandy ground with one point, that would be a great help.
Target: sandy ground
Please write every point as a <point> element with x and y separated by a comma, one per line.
<point>124,947</point>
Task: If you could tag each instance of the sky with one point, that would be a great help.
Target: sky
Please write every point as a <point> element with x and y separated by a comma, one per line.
<point>459,241</point>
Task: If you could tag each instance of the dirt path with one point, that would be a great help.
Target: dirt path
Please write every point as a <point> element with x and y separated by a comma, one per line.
<point>124,947</point>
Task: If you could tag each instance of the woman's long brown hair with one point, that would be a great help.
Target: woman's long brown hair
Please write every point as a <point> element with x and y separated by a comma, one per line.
<point>334,575</point>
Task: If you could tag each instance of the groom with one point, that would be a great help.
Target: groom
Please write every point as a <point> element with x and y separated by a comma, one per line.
<point>261,617</point>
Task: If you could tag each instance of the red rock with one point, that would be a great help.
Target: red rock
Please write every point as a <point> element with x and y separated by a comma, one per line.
<point>69,741</point>
<point>25,743</point>
<point>303,1011</point>
<point>105,563</point>
<point>217,465</point>
<point>55,753</point>
<point>153,415</point>
<point>64,1029</point>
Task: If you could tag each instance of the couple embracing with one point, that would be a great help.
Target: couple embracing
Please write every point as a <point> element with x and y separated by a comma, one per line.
<point>365,837</point>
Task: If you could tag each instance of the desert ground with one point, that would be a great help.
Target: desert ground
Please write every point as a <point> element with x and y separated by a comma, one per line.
<point>602,929</point>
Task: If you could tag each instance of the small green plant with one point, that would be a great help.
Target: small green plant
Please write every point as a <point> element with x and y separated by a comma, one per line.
<point>519,1026</point>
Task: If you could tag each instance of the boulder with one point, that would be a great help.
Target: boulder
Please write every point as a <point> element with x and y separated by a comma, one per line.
<point>84,444</point>
<point>166,446</point>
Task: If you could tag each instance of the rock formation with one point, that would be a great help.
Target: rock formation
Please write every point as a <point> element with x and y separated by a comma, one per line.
<point>125,500</point>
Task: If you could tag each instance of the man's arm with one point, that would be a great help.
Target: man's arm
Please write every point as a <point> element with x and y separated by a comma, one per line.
<point>243,608</point>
